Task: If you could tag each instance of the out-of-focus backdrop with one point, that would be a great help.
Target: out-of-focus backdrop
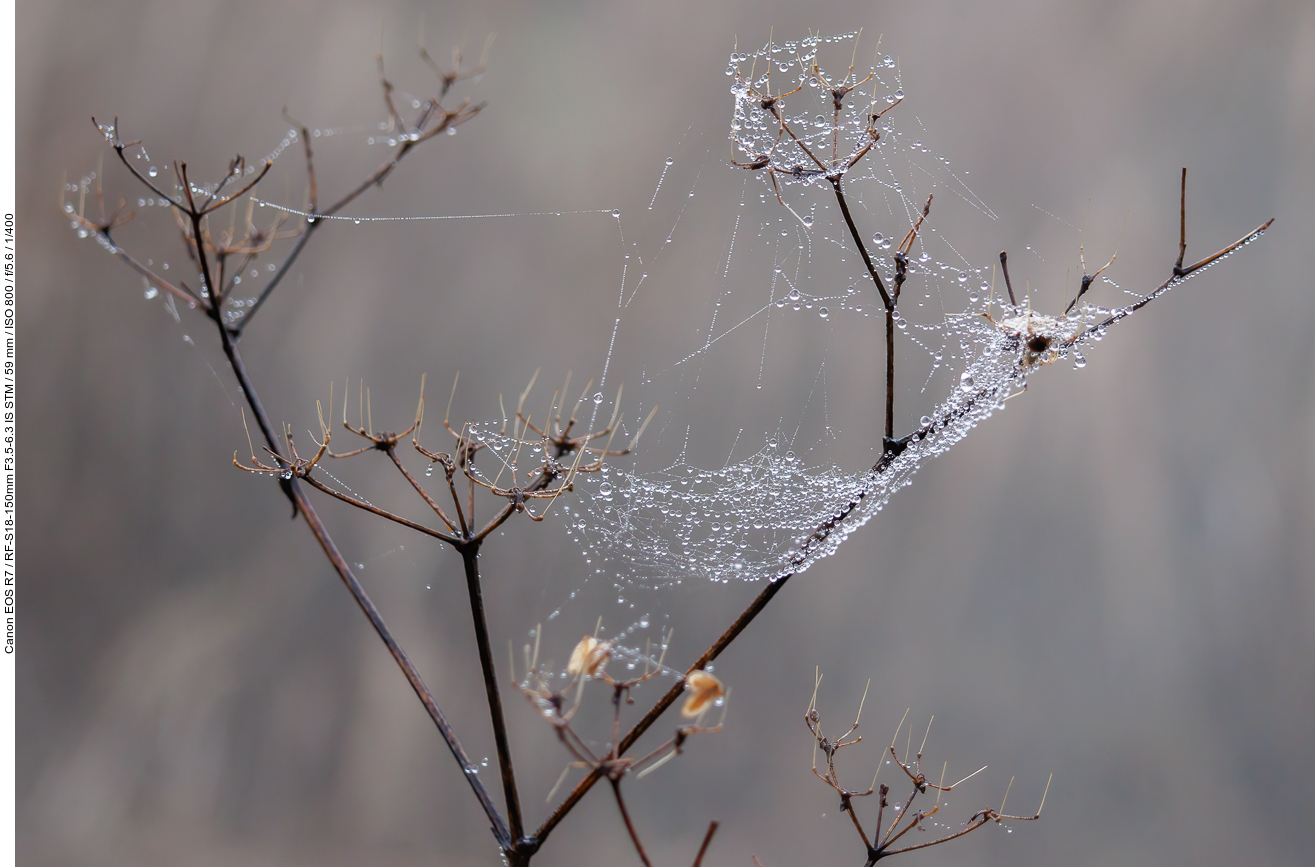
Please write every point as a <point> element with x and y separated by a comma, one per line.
<point>1111,581</point>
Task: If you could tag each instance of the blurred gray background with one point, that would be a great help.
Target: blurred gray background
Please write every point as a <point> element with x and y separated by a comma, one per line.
<point>1111,581</point>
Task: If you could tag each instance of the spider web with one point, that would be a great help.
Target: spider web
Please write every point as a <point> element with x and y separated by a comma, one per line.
<point>790,275</point>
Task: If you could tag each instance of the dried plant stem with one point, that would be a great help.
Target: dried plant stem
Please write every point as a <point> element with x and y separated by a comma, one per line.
<point>886,299</point>
<point>470,560</point>
<point>212,301</point>
<point>847,804</point>
<point>375,510</point>
<point>625,816</point>
<point>321,533</point>
<point>707,841</point>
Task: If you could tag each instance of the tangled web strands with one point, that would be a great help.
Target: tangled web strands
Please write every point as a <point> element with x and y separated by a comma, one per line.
<point>771,515</point>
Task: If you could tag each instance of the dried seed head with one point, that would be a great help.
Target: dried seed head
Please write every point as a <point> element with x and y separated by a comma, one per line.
<point>1043,338</point>
<point>703,690</point>
<point>589,657</point>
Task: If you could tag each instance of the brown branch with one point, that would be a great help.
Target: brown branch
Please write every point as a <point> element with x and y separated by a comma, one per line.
<point>216,204</point>
<point>1175,279</point>
<point>1004,269</point>
<point>847,804</point>
<point>625,815</point>
<point>312,186</point>
<point>382,513</point>
<point>419,489</point>
<point>469,558</point>
<point>858,242</point>
<point>707,839</point>
<point>497,521</point>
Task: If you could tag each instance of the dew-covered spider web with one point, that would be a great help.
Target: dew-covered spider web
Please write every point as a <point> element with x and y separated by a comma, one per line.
<point>732,481</point>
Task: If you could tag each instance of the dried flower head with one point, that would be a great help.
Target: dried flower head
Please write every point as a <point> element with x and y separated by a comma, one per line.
<point>589,657</point>
<point>703,689</point>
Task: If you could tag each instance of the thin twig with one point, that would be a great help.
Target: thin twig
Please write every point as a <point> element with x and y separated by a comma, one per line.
<point>382,513</point>
<point>625,815</point>
<point>707,839</point>
<point>470,560</point>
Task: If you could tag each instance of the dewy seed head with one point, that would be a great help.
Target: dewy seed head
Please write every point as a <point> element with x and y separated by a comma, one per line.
<point>1041,339</point>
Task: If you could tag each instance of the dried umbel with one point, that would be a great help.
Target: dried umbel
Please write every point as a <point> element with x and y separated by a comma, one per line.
<point>794,147</point>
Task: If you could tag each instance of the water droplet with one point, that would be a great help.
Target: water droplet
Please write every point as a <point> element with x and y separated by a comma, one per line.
<point>808,219</point>
<point>616,212</point>
<point>152,171</point>
<point>151,292</point>
<point>925,421</point>
<point>598,397</point>
<point>823,312</point>
<point>670,160</point>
